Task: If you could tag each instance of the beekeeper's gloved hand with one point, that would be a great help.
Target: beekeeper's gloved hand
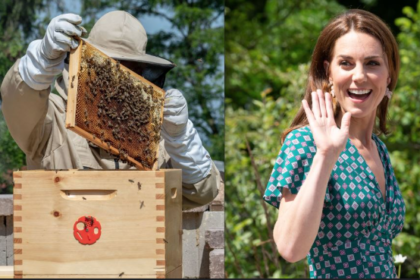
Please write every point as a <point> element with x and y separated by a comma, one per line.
<point>44,58</point>
<point>182,141</point>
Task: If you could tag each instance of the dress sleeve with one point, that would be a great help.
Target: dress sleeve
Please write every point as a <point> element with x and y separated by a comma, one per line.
<point>292,165</point>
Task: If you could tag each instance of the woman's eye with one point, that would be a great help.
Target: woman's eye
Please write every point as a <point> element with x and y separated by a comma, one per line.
<point>373,63</point>
<point>345,63</point>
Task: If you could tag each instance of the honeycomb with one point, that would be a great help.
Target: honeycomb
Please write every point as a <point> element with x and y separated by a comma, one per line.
<point>116,107</point>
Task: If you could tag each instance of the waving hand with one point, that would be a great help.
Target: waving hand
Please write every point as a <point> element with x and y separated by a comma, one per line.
<point>329,139</point>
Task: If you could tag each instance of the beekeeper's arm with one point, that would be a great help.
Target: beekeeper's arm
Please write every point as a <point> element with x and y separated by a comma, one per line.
<point>26,87</point>
<point>200,177</point>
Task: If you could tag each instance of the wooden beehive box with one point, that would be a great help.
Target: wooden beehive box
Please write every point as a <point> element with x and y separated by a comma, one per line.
<point>113,107</point>
<point>139,212</point>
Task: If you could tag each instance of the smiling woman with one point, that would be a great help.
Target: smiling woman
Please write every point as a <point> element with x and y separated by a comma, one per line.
<point>333,181</point>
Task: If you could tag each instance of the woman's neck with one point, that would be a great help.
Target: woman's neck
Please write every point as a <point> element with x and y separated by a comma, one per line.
<point>360,132</point>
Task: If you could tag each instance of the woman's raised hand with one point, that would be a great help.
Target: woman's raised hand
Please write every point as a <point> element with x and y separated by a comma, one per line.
<point>329,139</point>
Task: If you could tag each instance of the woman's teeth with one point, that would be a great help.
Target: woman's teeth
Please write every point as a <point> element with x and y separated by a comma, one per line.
<point>359,95</point>
<point>359,92</point>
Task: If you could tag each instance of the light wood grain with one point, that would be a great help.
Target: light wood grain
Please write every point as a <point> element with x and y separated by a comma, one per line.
<point>173,225</point>
<point>46,246</point>
<point>6,272</point>
<point>74,65</point>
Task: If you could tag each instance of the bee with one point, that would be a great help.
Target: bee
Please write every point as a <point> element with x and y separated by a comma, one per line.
<point>72,85</point>
<point>139,185</point>
<point>165,240</point>
<point>72,80</point>
<point>109,145</point>
<point>131,181</point>
<point>84,198</point>
<point>121,274</point>
<point>141,204</point>
<point>93,136</point>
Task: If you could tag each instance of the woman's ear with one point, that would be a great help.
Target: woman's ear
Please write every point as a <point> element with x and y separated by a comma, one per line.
<point>388,81</point>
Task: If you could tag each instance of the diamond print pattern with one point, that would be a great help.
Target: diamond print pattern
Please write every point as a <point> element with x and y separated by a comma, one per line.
<point>350,242</point>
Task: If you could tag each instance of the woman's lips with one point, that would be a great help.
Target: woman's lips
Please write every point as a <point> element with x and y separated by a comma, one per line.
<point>358,98</point>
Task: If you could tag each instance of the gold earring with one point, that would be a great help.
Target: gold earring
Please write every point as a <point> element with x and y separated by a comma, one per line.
<point>330,84</point>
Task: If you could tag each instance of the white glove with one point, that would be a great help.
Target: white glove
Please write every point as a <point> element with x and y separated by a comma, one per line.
<point>44,58</point>
<point>182,141</point>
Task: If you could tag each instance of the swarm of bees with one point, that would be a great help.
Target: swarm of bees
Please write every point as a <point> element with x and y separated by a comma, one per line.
<point>118,109</point>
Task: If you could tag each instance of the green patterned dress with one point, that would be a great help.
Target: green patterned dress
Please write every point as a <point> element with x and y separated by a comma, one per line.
<point>357,226</point>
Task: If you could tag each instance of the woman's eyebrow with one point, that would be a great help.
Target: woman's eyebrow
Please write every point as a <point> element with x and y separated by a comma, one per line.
<point>366,58</point>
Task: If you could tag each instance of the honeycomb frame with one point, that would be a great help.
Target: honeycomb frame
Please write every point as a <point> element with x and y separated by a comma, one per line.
<point>114,107</point>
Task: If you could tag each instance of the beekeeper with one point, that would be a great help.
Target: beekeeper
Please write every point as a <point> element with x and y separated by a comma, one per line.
<point>36,117</point>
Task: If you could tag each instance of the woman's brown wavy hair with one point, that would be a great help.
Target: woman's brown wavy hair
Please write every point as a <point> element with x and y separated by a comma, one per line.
<point>352,20</point>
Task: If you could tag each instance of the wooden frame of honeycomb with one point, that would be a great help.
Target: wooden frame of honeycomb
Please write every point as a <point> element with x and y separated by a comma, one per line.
<point>113,107</point>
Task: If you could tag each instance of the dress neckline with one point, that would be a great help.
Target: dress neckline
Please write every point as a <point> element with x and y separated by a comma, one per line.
<point>384,166</point>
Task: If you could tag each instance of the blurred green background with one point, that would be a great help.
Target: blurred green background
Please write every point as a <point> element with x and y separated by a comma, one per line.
<point>189,33</point>
<point>268,46</point>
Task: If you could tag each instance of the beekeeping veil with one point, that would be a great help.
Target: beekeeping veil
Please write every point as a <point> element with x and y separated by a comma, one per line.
<point>121,36</point>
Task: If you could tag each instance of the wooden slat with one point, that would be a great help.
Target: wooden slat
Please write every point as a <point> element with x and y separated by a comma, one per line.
<point>173,223</point>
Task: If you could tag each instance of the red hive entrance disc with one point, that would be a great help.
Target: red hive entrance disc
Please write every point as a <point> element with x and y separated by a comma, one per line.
<point>87,230</point>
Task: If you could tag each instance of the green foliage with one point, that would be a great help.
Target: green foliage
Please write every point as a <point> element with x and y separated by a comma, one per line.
<point>262,46</point>
<point>270,85</point>
<point>404,141</point>
<point>246,222</point>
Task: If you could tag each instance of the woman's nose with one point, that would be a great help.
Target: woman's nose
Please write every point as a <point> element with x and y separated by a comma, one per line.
<point>359,74</point>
